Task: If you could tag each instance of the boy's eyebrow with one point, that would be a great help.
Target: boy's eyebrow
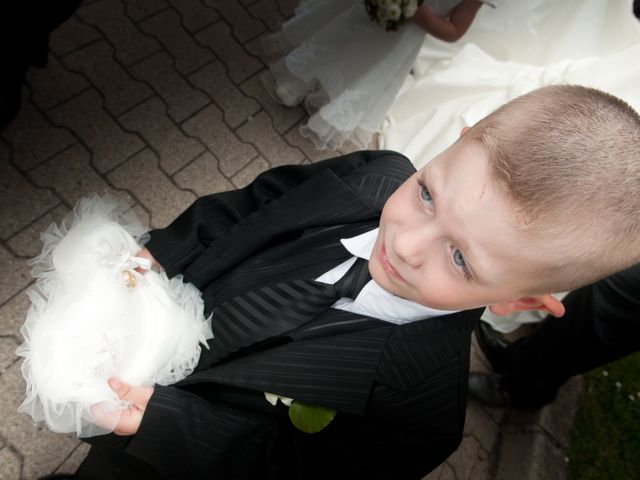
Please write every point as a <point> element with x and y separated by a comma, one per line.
<point>431,180</point>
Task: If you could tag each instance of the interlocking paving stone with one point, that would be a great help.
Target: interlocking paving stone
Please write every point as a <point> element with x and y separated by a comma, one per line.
<point>139,9</point>
<point>71,175</point>
<point>482,468</point>
<point>236,106</point>
<point>55,83</point>
<point>284,118</point>
<point>530,456</point>
<point>120,91</point>
<point>142,215</point>
<point>41,449</point>
<point>207,125</point>
<point>72,34</point>
<point>245,27</point>
<point>259,131</point>
<point>465,457</point>
<point>153,188</point>
<point>109,17</point>
<point>245,176</point>
<point>287,7</point>
<point>481,425</point>
<point>28,126</point>
<point>15,275</point>
<point>203,176</point>
<point>255,47</point>
<point>166,27</point>
<point>195,14</point>
<point>8,347</point>
<point>27,243</point>
<point>12,315</point>
<point>448,473</point>
<point>150,120</point>
<point>182,99</point>
<point>73,461</point>
<point>240,64</point>
<point>20,202</point>
<point>556,418</point>
<point>295,138</point>
<point>10,464</point>
<point>110,144</point>
<point>268,12</point>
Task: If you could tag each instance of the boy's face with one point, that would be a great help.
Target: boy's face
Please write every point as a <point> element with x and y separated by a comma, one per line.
<point>448,237</point>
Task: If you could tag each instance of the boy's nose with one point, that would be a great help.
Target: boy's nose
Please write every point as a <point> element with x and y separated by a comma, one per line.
<point>410,245</point>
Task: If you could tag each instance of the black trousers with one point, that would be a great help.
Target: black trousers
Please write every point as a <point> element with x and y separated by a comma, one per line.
<point>601,325</point>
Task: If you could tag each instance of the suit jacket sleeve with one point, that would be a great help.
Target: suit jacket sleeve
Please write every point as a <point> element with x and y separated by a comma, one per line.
<point>178,245</point>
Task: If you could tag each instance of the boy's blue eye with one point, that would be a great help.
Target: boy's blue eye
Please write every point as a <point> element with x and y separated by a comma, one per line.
<point>459,261</point>
<point>425,195</point>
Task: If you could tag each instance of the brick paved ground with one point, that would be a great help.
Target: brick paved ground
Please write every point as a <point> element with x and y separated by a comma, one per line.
<point>157,102</point>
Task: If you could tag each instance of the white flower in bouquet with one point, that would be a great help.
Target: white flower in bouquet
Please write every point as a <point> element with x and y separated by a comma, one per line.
<point>394,12</point>
<point>391,14</point>
<point>409,8</point>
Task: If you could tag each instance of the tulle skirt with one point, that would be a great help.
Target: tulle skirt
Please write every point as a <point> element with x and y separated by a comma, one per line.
<point>94,316</point>
<point>345,68</point>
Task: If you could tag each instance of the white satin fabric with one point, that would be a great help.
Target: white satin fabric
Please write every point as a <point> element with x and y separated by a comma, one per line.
<point>508,51</point>
<point>93,316</point>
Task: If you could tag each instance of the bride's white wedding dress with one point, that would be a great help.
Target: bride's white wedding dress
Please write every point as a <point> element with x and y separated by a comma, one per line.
<point>508,51</point>
<point>94,316</point>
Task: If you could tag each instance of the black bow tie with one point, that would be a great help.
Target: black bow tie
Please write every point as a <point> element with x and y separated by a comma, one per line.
<point>276,309</point>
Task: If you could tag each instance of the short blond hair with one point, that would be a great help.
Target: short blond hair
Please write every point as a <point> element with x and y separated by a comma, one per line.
<point>568,157</point>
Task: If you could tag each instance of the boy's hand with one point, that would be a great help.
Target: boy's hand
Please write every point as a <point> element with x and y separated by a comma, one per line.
<point>129,420</point>
<point>145,253</point>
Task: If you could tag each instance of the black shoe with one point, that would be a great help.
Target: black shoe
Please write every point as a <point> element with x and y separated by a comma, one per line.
<point>493,345</point>
<point>487,389</point>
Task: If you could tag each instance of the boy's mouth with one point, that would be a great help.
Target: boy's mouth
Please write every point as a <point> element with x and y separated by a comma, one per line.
<point>388,268</point>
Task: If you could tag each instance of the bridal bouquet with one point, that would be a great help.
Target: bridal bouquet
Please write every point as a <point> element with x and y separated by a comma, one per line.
<point>391,14</point>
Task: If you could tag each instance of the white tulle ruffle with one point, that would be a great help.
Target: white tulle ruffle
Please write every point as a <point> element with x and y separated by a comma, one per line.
<point>344,68</point>
<point>94,316</point>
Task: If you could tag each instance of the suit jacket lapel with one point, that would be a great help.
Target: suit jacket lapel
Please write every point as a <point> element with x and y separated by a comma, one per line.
<point>322,201</point>
<point>417,349</point>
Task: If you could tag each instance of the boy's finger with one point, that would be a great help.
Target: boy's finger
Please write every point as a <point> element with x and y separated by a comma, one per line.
<point>139,396</point>
<point>129,422</point>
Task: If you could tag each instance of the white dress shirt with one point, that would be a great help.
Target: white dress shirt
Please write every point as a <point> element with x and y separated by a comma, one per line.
<point>373,300</point>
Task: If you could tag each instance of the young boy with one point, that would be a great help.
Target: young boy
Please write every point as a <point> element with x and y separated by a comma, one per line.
<point>540,196</point>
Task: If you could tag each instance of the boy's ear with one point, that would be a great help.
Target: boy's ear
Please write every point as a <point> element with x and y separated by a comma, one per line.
<point>546,302</point>
<point>464,130</point>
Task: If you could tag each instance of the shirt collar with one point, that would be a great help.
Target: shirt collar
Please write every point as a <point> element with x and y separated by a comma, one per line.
<point>361,245</point>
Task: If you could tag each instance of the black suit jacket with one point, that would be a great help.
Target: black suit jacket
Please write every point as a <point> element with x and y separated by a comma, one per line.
<point>400,391</point>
